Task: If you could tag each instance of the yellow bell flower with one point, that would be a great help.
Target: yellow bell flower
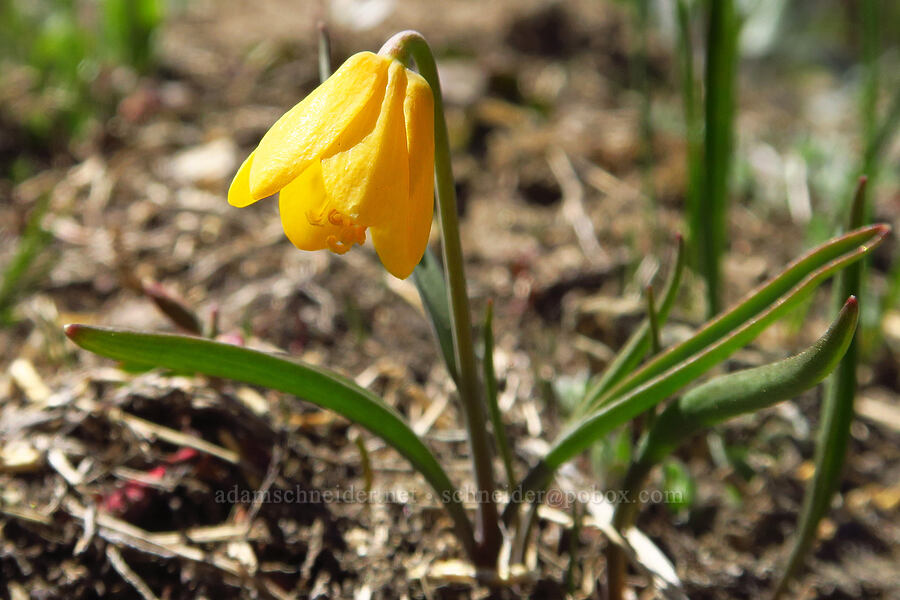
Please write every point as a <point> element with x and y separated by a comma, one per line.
<point>356,154</point>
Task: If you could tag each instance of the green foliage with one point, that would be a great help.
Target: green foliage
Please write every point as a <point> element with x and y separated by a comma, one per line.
<point>680,486</point>
<point>635,349</point>
<point>20,271</point>
<point>321,387</point>
<point>59,51</point>
<point>616,399</point>
<point>128,30</point>
<point>611,455</point>
<point>490,391</point>
<point>679,366</point>
<point>429,279</point>
<point>709,159</point>
<point>748,391</point>
<point>837,417</point>
<point>723,398</point>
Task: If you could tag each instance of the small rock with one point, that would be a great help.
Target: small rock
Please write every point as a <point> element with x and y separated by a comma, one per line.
<point>18,456</point>
<point>209,163</point>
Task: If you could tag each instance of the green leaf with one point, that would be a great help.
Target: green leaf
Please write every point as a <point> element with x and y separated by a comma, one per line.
<point>758,309</point>
<point>638,344</point>
<point>837,417</point>
<point>680,487</point>
<point>321,387</point>
<point>429,279</point>
<point>709,217</point>
<point>16,274</point>
<point>732,395</point>
<point>750,390</point>
<point>678,366</point>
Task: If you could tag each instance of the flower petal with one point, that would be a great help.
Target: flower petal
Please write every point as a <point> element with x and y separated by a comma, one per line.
<point>336,115</point>
<point>402,245</point>
<point>367,181</point>
<point>239,192</point>
<point>302,198</point>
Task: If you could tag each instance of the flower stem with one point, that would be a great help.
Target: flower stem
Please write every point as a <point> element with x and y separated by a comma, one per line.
<point>411,44</point>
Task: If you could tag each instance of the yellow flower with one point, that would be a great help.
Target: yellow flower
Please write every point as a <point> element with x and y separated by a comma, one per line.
<point>356,154</point>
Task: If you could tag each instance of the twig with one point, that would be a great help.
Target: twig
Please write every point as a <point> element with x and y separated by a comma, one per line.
<point>423,424</point>
<point>57,459</point>
<point>25,514</point>
<point>271,475</point>
<point>90,530</point>
<point>150,430</point>
<point>608,184</point>
<point>118,563</point>
<point>573,206</point>
<point>170,545</point>
<point>115,530</point>
<point>29,380</point>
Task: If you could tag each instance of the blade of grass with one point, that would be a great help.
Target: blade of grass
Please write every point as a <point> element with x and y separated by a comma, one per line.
<point>174,308</point>
<point>720,399</point>
<point>645,421</point>
<point>692,125</point>
<point>871,48</point>
<point>682,364</point>
<point>643,394</point>
<point>822,261</point>
<point>709,220</point>
<point>653,319</point>
<point>321,387</point>
<point>837,416</point>
<point>747,391</point>
<point>34,239</point>
<point>635,349</point>
<point>490,385</point>
<point>640,73</point>
<point>324,39</point>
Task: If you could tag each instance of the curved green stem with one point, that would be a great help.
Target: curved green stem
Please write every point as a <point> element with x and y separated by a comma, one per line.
<point>403,46</point>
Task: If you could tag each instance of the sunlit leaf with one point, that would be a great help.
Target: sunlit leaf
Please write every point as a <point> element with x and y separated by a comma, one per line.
<point>326,389</point>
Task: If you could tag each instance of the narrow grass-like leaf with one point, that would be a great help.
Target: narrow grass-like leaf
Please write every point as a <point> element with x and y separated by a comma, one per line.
<point>637,345</point>
<point>323,388</point>
<point>490,390</point>
<point>644,395</point>
<point>720,399</point>
<point>750,390</point>
<point>837,416</point>
<point>653,319</point>
<point>692,125</point>
<point>709,220</point>
<point>666,374</point>
<point>34,239</point>
<point>640,73</point>
<point>778,295</point>
<point>429,279</point>
<point>324,51</point>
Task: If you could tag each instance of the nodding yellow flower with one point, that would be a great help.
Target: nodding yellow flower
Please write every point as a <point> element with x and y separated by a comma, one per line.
<point>356,154</point>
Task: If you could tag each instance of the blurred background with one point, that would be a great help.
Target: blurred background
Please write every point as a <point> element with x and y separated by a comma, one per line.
<point>123,121</point>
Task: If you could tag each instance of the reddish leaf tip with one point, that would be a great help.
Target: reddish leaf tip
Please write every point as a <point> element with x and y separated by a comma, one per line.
<point>71,330</point>
<point>851,302</point>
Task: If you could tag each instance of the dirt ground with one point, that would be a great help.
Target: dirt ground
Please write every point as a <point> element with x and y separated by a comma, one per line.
<point>117,484</point>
